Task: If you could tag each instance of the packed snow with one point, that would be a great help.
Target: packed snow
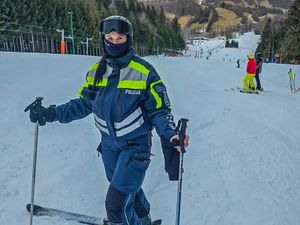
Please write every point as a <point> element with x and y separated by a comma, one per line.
<point>242,166</point>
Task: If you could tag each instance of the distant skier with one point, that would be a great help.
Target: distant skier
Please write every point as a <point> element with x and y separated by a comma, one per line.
<point>238,63</point>
<point>292,77</point>
<point>259,64</point>
<point>127,98</point>
<point>251,70</point>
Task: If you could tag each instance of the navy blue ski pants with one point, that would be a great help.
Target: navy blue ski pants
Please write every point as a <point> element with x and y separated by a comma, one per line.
<point>258,85</point>
<point>125,166</point>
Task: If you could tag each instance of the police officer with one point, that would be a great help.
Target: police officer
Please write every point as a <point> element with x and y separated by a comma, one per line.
<point>259,64</point>
<point>127,99</point>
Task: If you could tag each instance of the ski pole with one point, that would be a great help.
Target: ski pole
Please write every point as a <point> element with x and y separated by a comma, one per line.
<point>294,83</point>
<point>37,102</point>
<point>181,127</point>
<point>291,84</point>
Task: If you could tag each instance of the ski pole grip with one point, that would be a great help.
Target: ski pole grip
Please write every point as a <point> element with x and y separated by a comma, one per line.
<point>182,132</point>
<point>37,101</point>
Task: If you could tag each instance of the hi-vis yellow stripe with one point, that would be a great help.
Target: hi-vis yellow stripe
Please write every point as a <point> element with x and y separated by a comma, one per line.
<point>85,85</point>
<point>102,83</point>
<point>155,95</point>
<point>90,81</point>
<point>93,67</point>
<point>132,84</point>
<point>139,67</point>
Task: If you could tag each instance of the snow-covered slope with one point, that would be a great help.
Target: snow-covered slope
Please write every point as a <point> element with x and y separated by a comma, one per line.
<point>242,166</point>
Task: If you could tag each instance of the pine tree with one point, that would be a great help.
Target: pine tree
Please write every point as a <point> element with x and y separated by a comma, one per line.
<point>138,7</point>
<point>292,27</point>
<point>267,41</point>
<point>227,44</point>
<point>106,3</point>
<point>162,16</point>
<point>131,6</point>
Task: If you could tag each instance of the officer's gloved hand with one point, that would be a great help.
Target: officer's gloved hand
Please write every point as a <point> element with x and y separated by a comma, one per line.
<point>40,114</point>
<point>175,142</point>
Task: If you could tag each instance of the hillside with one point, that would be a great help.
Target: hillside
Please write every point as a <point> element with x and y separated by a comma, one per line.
<point>233,14</point>
<point>226,19</point>
<point>254,3</point>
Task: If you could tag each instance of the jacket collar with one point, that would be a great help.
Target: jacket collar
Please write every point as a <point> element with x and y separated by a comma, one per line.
<point>121,62</point>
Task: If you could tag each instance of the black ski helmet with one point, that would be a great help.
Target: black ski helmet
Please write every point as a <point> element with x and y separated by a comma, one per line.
<point>119,24</point>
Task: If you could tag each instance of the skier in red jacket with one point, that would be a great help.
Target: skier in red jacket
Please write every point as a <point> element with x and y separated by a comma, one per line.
<point>251,70</point>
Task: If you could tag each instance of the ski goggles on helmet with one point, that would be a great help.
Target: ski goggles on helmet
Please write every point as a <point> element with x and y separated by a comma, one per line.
<point>119,26</point>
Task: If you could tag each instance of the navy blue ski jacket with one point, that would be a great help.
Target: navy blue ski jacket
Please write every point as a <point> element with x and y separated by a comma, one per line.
<point>127,103</point>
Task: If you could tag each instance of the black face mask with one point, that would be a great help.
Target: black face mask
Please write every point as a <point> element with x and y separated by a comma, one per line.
<point>115,50</point>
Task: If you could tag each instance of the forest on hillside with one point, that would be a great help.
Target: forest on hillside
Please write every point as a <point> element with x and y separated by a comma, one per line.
<point>36,25</point>
<point>207,18</point>
<point>281,38</point>
<point>275,3</point>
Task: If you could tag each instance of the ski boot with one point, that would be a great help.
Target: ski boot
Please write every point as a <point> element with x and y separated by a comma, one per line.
<point>106,222</point>
<point>147,221</point>
<point>144,221</point>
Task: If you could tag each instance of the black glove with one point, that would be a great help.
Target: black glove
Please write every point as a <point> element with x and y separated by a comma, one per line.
<point>39,113</point>
<point>171,158</point>
<point>174,143</point>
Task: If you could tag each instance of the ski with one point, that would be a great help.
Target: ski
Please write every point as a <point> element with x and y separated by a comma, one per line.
<point>238,89</point>
<point>264,91</point>
<point>43,211</point>
<point>230,89</point>
<point>242,90</point>
<point>249,92</point>
<point>81,218</point>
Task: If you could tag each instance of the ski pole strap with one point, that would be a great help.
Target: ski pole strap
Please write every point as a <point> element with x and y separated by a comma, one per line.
<point>37,102</point>
<point>181,130</point>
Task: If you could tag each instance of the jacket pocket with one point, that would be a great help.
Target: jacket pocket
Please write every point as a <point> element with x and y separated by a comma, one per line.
<point>140,161</point>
